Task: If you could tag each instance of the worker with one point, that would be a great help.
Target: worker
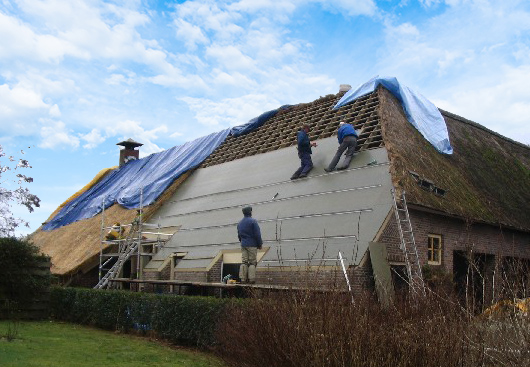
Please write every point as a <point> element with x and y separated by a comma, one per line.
<point>304,152</point>
<point>115,232</point>
<point>249,235</point>
<point>347,137</point>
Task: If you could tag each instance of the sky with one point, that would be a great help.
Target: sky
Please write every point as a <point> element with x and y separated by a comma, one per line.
<point>79,76</point>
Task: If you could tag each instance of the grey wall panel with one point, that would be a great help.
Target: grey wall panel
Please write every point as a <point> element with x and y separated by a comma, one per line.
<point>350,198</point>
<point>283,191</point>
<point>339,211</point>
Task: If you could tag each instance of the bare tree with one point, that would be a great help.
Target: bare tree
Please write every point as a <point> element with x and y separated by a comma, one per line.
<point>13,191</point>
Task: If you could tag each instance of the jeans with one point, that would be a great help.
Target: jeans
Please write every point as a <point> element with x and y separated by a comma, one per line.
<point>306,164</point>
<point>348,144</point>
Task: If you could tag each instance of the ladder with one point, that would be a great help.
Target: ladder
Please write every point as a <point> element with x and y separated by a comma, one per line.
<point>408,245</point>
<point>127,248</point>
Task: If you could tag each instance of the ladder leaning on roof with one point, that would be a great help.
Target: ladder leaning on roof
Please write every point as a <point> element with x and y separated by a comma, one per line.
<point>408,244</point>
<point>126,248</point>
<point>138,238</point>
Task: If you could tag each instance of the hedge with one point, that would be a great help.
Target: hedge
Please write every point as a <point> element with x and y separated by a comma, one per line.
<point>187,320</point>
<point>24,280</point>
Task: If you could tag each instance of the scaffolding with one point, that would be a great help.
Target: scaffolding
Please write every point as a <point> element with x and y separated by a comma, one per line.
<point>141,242</point>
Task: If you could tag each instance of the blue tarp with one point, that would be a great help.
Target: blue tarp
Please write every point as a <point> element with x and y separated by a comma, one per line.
<point>421,113</point>
<point>255,122</point>
<point>140,180</point>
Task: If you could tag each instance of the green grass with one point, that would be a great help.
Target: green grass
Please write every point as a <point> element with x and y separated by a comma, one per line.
<point>48,343</point>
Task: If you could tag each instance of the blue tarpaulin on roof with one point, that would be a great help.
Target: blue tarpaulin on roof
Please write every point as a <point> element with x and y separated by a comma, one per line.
<point>421,113</point>
<point>139,182</point>
<point>255,122</point>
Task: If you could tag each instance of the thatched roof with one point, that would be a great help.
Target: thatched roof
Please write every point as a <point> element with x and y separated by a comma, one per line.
<point>486,179</point>
<point>76,247</point>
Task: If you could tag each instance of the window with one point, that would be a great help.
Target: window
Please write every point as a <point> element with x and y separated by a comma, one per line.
<point>434,252</point>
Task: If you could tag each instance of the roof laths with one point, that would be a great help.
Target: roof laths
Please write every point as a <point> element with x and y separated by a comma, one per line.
<point>280,131</point>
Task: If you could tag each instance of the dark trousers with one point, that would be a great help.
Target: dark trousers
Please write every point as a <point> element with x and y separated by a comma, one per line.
<point>306,164</point>
<point>348,144</point>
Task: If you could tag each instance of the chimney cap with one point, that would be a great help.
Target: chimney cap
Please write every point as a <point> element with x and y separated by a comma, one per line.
<point>129,144</point>
<point>344,87</point>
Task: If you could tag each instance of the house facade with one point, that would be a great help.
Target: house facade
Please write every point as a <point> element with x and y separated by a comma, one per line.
<point>467,210</point>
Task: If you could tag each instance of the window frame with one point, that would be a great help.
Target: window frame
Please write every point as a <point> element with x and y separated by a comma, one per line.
<point>431,249</point>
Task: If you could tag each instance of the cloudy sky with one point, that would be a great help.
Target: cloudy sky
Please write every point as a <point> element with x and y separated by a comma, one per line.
<point>78,76</point>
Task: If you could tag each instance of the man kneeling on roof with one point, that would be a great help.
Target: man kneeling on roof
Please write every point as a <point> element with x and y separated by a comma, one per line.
<point>249,235</point>
<point>347,137</point>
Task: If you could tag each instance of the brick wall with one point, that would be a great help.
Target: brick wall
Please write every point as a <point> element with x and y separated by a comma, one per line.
<point>214,274</point>
<point>457,235</point>
<point>461,236</point>
<point>488,244</point>
<point>149,275</point>
<point>361,278</point>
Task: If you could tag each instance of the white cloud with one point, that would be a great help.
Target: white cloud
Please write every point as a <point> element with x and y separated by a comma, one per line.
<point>190,34</point>
<point>176,135</point>
<point>231,57</point>
<point>234,79</point>
<point>13,99</point>
<point>229,111</point>
<point>55,134</point>
<point>211,16</point>
<point>93,139</point>
<point>55,111</point>
<point>20,41</point>
<point>133,129</point>
<point>115,79</point>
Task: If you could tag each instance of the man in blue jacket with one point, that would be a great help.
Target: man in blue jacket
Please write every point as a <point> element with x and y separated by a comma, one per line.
<point>249,235</point>
<point>304,153</point>
<point>347,137</point>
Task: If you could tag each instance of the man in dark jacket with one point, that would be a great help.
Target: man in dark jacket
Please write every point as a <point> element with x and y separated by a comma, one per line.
<point>249,235</point>
<point>304,153</point>
<point>347,137</point>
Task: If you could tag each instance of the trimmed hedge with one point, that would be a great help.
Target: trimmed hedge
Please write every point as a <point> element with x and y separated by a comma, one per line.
<point>180,319</point>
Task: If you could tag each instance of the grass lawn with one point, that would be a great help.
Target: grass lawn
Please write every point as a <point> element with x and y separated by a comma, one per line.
<point>55,344</point>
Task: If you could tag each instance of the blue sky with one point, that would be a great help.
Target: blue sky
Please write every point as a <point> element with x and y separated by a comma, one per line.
<point>78,76</point>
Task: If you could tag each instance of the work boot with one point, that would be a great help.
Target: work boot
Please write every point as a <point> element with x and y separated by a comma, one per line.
<point>294,177</point>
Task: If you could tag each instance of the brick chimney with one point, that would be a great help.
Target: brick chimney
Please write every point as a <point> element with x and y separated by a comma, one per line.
<point>129,152</point>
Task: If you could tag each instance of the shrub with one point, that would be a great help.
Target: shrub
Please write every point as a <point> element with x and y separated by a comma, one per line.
<point>307,329</point>
<point>179,319</point>
<point>22,278</point>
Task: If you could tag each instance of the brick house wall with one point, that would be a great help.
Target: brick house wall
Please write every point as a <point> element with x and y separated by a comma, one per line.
<point>487,243</point>
<point>361,277</point>
<point>457,235</point>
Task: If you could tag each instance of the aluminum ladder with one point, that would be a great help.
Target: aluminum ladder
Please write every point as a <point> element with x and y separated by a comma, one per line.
<point>126,249</point>
<point>408,245</point>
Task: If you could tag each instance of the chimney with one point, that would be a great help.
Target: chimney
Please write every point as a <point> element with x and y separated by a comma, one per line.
<point>129,153</point>
<point>344,88</point>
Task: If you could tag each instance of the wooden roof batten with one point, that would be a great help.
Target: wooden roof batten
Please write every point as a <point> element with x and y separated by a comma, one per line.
<point>280,131</point>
